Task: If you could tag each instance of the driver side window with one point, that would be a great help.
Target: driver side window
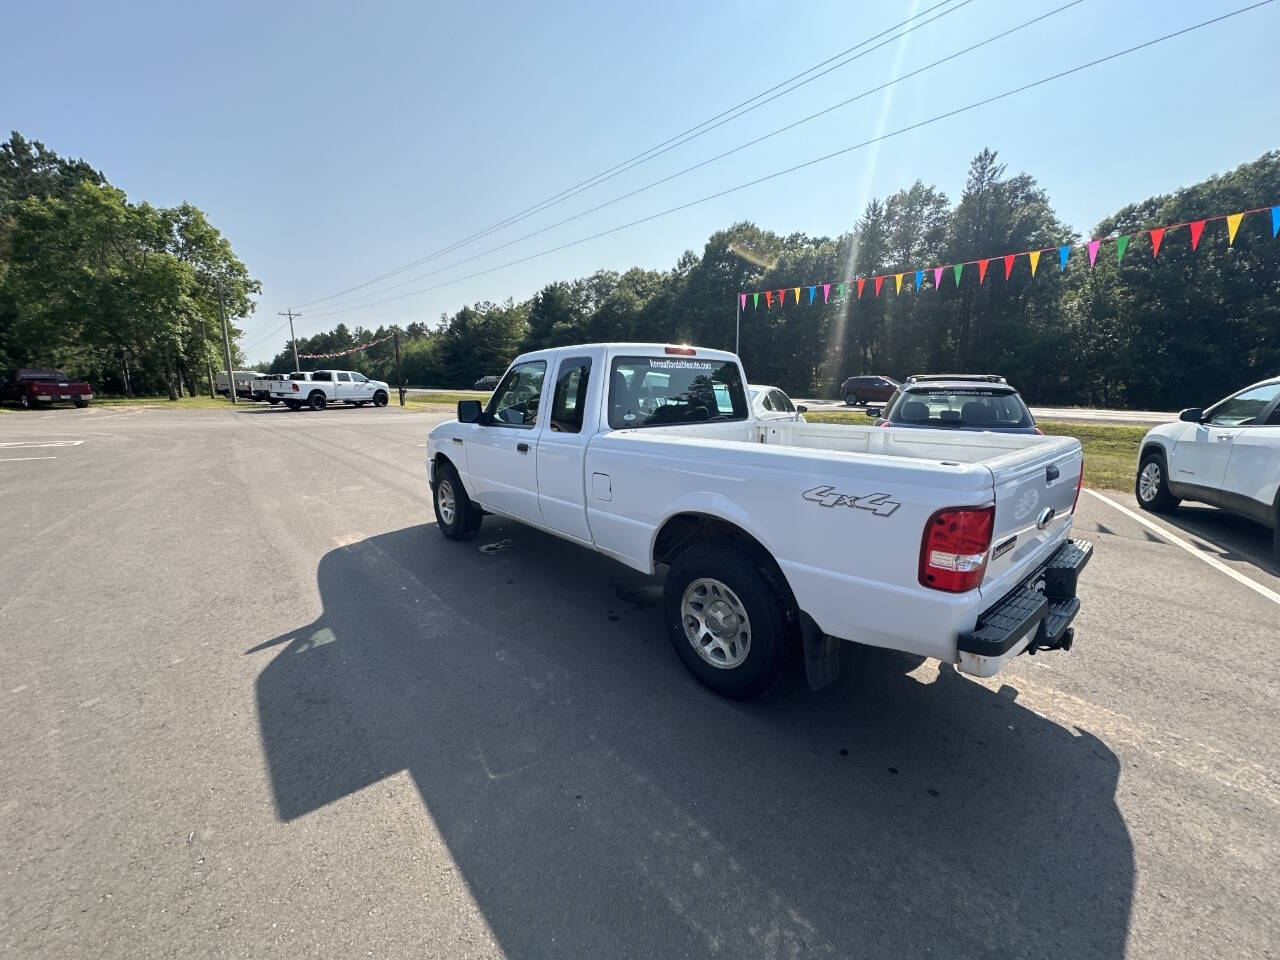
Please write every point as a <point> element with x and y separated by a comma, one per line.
<point>1244,409</point>
<point>515,402</point>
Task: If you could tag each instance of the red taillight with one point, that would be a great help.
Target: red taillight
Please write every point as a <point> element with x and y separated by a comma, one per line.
<point>953,551</point>
<point>683,351</point>
<point>295,388</point>
<point>1079,487</point>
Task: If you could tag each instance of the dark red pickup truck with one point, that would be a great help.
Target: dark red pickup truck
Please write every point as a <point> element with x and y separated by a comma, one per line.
<point>43,388</point>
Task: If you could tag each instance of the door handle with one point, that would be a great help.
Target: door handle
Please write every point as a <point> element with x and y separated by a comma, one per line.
<point>522,447</point>
<point>1225,436</point>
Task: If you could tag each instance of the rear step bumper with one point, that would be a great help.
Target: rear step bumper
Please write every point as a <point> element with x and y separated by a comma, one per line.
<point>1035,615</point>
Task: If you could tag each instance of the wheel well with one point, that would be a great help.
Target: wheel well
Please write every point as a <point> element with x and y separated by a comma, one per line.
<point>314,392</point>
<point>1152,448</point>
<point>685,529</point>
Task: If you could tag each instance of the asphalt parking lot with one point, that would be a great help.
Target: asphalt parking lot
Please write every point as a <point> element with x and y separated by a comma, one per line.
<point>253,705</point>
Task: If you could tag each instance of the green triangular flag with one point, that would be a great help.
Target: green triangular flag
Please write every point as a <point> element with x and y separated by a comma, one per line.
<point>957,269</point>
<point>1121,243</point>
<point>755,301</point>
<point>841,290</point>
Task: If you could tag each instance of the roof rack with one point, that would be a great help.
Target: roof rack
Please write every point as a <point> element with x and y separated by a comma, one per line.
<point>971,377</point>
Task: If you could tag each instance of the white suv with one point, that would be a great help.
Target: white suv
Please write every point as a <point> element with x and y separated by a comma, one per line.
<point>1227,456</point>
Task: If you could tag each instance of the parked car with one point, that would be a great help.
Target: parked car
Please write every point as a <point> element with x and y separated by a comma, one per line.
<point>771,403</point>
<point>42,388</point>
<point>244,382</point>
<point>963,402</point>
<point>1227,456</point>
<point>865,389</point>
<point>319,388</point>
<point>651,455</point>
<point>485,383</point>
<point>260,387</point>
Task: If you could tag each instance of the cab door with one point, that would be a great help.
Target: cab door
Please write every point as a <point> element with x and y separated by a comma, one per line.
<point>562,448</point>
<point>1253,470</point>
<point>502,452</point>
<point>342,386</point>
<point>1202,452</point>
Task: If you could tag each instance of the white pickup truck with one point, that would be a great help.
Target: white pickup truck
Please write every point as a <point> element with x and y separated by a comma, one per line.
<point>319,388</point>
<point>776,534</point>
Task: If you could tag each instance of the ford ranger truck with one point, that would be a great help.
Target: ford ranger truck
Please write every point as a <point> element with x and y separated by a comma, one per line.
<point>775,535</point>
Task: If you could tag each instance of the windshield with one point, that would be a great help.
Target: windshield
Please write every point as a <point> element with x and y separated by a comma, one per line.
<point>959,407</point>
<point>659,391</point>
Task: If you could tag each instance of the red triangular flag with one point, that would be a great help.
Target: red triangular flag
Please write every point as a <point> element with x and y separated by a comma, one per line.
<point>1008,264</point>
<point>879,281</point>
<point>982,271</point>
<point>862,282</point>
<point>782,298</point>
<point>1197,228</point>
<point>1157,234</point>
<point>768,299</point>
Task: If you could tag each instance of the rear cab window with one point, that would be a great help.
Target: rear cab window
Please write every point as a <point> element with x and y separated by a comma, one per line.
<point>665,391</point>
<point>959,406</point>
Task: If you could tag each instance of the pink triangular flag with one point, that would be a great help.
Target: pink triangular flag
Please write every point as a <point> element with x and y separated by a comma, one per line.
<point>937,277</point>
<point>826,292</point>
<point>1093,250</point>
<point>742,301</point>
<point>1197,228</point>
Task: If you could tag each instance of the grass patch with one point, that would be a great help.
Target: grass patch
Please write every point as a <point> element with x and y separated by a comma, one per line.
<point>1110,450</point>
<point>450,397</point>
<point>164,403</point>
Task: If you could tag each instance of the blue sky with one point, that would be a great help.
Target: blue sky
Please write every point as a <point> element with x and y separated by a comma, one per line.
<point>332,141</point>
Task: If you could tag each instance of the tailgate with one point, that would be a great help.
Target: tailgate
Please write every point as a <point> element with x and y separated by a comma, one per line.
<point>1035,488</point>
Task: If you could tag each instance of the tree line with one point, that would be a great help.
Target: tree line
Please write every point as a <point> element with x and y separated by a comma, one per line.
<point>1161,332</point>
<point>123,294</point>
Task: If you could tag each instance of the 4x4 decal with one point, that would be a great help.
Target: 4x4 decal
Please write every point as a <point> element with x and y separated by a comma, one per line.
<point>878,503</point>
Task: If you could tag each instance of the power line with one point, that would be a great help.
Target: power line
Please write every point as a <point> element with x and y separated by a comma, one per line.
<point>671,143</point>
<point>986,101</point>
<point>720,156</point>
<point>264,339</point>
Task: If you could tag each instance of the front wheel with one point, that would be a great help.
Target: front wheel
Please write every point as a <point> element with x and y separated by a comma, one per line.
<point>726,621</point>
<point>1152,485</point>
<point>851,399</point>
<point>456,516</point>
<point>380,398</point>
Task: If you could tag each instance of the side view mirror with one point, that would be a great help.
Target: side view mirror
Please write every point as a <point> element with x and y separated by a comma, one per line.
<point>802,409</point>
<point>469,411</point>
<point>1192,414</point>
<point>873,411</point>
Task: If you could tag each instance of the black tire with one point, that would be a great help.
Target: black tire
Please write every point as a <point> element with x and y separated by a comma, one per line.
<point>380,398</point>
<point>466,517</point>
<point>24,402</point>
<point>294,405</point>
<point>81,403</point>
<point>1151,485</point>
<point>273,402</point>
<point>317,400</point>
<point>766,653</point>
<point>851,399</point>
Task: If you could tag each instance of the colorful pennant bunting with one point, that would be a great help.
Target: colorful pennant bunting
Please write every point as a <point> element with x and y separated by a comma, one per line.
<point>1195,230</point>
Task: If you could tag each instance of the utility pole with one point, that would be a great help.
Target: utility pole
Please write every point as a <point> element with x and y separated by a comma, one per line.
<point>395,333</point>
<point>226,345</point>
<point>292,339</point>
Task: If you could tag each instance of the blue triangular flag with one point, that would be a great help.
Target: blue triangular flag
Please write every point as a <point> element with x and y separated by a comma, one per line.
<point>919,279</point>
<point>811,289</point>
<point>1275,220</point>
<point>1064,251</point>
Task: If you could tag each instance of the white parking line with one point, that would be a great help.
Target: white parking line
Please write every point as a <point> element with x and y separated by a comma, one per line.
<point>1199,554</point>
<point>16,459</point>
<point>40,443</point>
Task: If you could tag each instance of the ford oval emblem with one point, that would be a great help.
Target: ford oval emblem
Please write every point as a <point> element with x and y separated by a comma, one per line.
<point>1045,518</point>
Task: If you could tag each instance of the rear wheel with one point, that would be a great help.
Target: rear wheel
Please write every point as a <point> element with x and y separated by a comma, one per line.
<point>380,398</point>
<point>1152,484</point>
<point>273,402</point>
<point>317,400</point>
<point>850,399</point>
<point>82,403</point>
<point>725,620</point>
<point>293,404</point>
<point>456,516</point>
<point>25,401</point>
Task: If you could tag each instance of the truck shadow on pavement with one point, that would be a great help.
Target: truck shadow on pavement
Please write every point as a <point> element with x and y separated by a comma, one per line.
<point>599,803</point>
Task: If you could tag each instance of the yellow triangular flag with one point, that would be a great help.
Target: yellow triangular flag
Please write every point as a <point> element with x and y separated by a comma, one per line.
<point>897,279</point>
<point>797,289</point>
<point>1035,260</point>
<point>1233,224</point>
